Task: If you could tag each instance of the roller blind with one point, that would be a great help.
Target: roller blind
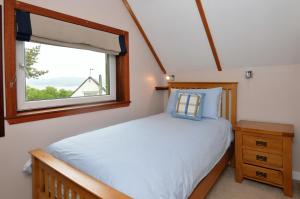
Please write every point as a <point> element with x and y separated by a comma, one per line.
<point>51,31</point>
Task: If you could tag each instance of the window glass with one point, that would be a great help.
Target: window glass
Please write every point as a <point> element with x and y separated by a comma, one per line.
<point>53,72</point>
<point>58,72</point>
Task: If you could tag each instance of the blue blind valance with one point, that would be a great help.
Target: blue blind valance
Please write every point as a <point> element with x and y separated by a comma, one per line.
<point>23,23</point>
<point>122,45</point>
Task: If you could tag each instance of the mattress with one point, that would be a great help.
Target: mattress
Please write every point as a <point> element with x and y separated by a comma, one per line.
<point>155,157</point>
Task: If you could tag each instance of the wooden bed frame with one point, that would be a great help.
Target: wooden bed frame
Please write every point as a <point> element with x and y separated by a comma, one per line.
<point>54,179</point>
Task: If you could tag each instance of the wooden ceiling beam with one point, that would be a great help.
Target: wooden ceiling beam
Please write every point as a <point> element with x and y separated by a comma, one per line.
<point>127,5</point>
<point>208,34</point>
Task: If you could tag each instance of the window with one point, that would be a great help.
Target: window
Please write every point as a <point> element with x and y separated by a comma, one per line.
<point>87,69</point>
<point>53,76</point>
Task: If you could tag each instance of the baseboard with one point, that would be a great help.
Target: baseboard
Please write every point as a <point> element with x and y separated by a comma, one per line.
<point>296,175</point>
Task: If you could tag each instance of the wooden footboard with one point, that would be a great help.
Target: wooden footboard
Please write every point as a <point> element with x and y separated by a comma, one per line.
<point>54,179</point>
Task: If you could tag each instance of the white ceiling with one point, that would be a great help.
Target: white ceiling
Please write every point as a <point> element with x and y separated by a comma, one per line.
<point>255,32</point>
<point>246,32</point>
<point>175,30</point>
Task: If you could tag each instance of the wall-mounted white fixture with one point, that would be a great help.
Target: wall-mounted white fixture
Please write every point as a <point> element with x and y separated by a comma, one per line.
<point>170,78</point>
<point>249,74</point>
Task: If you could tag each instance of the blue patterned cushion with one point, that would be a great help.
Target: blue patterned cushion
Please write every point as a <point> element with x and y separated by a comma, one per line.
<point>188,105</point>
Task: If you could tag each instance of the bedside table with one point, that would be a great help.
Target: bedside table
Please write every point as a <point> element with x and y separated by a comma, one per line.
<point>263,153</point>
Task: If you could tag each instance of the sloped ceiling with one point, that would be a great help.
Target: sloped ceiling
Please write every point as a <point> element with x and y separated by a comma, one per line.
<point>246,33</point>
<point>255,32</point>
<point>175,30</point>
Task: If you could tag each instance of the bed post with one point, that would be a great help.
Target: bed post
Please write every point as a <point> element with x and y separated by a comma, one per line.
<point>35,178</point>
<point>234,106</point>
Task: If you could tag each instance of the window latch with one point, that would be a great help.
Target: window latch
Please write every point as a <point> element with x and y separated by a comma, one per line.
<point>12,82</point>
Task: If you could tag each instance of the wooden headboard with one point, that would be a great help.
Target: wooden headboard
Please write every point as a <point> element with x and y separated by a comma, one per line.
<point>229,95</point>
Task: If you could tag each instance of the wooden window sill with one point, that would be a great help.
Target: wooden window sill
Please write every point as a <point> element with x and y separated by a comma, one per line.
<point>41,114</point>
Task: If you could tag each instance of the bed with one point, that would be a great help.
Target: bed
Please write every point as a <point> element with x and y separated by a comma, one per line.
<point>154,157</point>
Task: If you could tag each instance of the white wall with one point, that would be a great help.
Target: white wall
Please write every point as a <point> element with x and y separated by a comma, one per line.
<point>273,95</point>
<point>144,76</point>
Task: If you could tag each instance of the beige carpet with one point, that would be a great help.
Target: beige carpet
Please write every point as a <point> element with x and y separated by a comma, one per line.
<point>227,188</point>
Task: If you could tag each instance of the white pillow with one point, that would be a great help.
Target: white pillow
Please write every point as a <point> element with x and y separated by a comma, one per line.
<point>172,101</point>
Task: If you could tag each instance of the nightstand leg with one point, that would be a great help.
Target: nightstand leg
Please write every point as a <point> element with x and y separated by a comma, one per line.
<point>238,179</point>
<point>288,191</point>
<point>238,157</point>
<point>287,167</point>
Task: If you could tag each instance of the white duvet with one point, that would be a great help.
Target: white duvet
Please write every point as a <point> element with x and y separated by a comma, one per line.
<point>158,157</point>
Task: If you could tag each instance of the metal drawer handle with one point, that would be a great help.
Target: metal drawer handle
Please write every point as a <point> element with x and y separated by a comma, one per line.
<point>261,158</point>
<point>261,174</point>
<point>261,143</point>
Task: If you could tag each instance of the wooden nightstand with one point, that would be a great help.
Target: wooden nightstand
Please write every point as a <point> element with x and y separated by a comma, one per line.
<point>263,153</point>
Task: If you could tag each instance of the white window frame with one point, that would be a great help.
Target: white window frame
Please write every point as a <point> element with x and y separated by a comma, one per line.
<point>22,104</point>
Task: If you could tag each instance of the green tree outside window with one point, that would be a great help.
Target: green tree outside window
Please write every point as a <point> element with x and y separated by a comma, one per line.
<point>34,94</point>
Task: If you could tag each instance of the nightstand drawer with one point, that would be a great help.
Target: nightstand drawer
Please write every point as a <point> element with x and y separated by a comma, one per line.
<point>268,144</point>
<point>267,159</point>
<point>263,174</point>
